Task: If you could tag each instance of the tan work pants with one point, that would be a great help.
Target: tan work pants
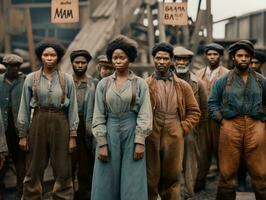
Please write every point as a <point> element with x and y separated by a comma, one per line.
<point>246,136</point>
<point>165,147</point>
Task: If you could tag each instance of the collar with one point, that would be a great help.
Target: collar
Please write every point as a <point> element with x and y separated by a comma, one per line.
<point>169,76</point>
<point>131,75</point>
<point>84,79</point>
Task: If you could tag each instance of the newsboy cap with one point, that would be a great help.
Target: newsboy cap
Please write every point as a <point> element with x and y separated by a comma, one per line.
<point>81,52</point>
<point>12,59</point>
<point>242,44</point>
<point>182,51</point>
<point>259,56</point>
<point>103,62</point>
<point>214,46</point>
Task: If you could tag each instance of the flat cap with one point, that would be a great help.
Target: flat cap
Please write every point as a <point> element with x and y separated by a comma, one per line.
<point>83,53</point>
<point>259,56</point>
<point>242,44</point>
<point>182,51</point>
<point>102,58</point>
<point>214,46</point>
<point>103,62</point>
<point>12,59</point>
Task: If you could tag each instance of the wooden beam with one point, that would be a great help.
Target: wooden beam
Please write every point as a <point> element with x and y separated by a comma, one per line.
<point>40,5</point>
<point>30,40</point>
<point>162,37</point>
<point>150,31</point>
<point>7,4</point>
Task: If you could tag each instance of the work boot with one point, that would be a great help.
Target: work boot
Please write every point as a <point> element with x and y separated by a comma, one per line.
<point>226,193</point>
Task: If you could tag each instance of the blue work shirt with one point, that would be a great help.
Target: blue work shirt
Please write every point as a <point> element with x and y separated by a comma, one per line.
<point>240,99</point>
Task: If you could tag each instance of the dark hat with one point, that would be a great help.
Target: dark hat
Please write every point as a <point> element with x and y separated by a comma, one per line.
<point>182,52</point>
<point>12,59</point>
<point>83,53</point>
<point>58,47</point>
<point>259,56</point>
<point>163,46</point>
<point>214,46</point>
<point>242,44</point>
<point>103,62</point>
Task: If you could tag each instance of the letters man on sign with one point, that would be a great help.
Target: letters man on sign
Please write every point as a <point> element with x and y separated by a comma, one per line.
<point>65,11</point>
<point>175,14</point>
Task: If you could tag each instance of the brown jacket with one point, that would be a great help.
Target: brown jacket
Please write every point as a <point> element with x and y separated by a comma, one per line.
<point>188,108</point>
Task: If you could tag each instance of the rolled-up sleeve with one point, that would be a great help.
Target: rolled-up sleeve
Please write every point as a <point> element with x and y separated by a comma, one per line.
<point>144,118</point>
<point>73,118</point>
<point>24,108</point>
<point>99,117</point>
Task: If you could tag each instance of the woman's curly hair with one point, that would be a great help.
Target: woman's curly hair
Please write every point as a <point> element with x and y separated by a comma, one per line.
<point>124,43</point>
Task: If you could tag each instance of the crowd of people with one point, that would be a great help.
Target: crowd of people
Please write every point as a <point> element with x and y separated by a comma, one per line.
<point>123,137</point>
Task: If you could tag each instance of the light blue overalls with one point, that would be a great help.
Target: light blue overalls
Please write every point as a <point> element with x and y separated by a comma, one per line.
<point>122,177</point>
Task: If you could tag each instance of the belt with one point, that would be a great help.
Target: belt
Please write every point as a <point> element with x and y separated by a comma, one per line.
<point>50,109</point>
<point>165,115</point>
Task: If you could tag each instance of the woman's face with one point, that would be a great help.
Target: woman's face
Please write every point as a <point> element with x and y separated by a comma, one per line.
<point>120,60</point>
<point>49,57</point>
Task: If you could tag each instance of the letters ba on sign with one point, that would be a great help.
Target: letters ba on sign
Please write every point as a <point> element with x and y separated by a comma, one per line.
<point>65,11</point>
<point>175,14</point>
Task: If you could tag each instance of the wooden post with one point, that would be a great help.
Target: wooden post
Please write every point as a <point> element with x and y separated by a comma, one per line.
<point>119,16</point>
<point>150,31</point>
<point>30,40</point>
<point>209,24</point>
<point>185,33</point>
<point>7,5</point>
<point>162,36</point>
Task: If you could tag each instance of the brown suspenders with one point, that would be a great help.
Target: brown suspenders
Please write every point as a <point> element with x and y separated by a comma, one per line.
<point>36,86</point>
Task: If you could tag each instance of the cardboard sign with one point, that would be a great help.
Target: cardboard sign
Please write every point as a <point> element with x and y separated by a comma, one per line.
<point>175,14</point>
<point>65,11</point>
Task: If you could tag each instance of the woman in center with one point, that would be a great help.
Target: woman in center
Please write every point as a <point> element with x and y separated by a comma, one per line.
<point>122,120</point>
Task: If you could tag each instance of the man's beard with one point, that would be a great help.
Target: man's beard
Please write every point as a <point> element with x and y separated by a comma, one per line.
<point>242,66</point>
<point>80,72</point>
<point>161,68</point>
<point>181,69</point>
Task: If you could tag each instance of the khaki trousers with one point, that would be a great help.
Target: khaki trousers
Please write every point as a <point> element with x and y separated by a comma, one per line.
<point>165,147</point>
<point>48,138</point>
<point>246,136</point>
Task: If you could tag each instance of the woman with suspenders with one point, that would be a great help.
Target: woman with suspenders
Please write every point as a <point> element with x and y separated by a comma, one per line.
<point>51,134</point>
<point>122,120</point>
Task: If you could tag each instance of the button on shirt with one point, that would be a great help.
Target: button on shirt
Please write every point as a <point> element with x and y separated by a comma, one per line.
<point>49,96</point>
<point>242,98</point>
